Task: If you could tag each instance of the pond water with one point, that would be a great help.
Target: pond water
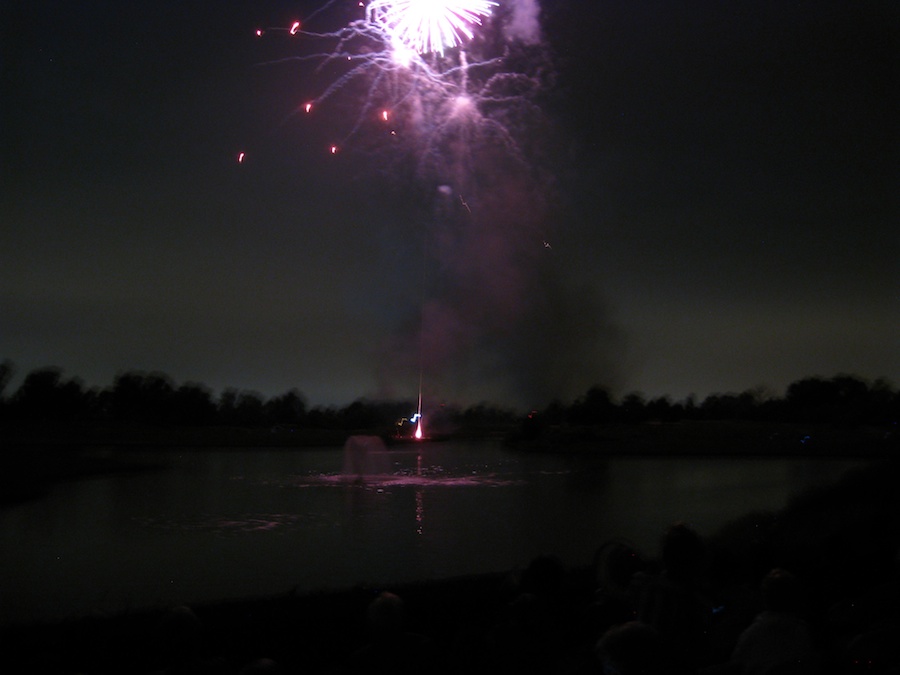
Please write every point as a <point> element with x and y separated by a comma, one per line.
<point>219,524</point>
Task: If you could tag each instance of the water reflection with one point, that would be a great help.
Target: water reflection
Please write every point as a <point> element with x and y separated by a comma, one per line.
<point>235,523</point>
<point>227,525</point>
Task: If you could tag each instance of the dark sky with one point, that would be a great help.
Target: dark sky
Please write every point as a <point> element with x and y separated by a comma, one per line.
<point>709,205</point>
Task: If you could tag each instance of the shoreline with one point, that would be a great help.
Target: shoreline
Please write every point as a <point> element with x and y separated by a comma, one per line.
<point>682,437</point>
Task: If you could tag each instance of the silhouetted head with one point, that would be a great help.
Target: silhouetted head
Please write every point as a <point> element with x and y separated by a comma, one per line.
<point>875,651</point>
<point>543,577</point>
<point>632,648</point>
<point>180,634</point>
<point>261,667</point>
<point>386,615</point>
<point>615,564</point>
<point>781,591</point>
<point>683,552</point>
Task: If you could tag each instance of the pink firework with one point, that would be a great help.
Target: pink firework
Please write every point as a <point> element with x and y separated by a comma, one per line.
<point>428,26</point>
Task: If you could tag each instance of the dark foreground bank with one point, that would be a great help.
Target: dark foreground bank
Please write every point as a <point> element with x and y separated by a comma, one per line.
<point>841,542</point>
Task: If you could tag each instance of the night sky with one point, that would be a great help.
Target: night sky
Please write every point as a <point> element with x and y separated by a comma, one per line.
<point>706,202</point>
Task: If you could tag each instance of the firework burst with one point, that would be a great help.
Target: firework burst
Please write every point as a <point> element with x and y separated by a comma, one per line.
<point>425,81</point>
<point>445,94</point>
<point>426,26</point>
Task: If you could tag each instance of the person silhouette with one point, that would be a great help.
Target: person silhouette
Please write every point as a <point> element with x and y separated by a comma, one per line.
<point>779,639</point>
<point>675,602</point>
<point>390,647</point>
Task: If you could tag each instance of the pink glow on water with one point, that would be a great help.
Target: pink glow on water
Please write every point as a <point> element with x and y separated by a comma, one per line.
<point>226,525</point>
<point>420,511</point>
<point>385,483</point>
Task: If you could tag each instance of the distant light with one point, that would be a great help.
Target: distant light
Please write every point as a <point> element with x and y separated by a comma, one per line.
<point>259,32</point>
<point>295,27</point>
<point>240,158</point>
<point>334,149</point>
<point>307,107</point>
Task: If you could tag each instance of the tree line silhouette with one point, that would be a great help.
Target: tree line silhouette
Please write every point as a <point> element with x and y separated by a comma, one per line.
<point>139,398</point>
<point>842,400</point>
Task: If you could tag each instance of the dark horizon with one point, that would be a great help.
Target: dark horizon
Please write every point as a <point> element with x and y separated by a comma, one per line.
<point>134,396</point>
